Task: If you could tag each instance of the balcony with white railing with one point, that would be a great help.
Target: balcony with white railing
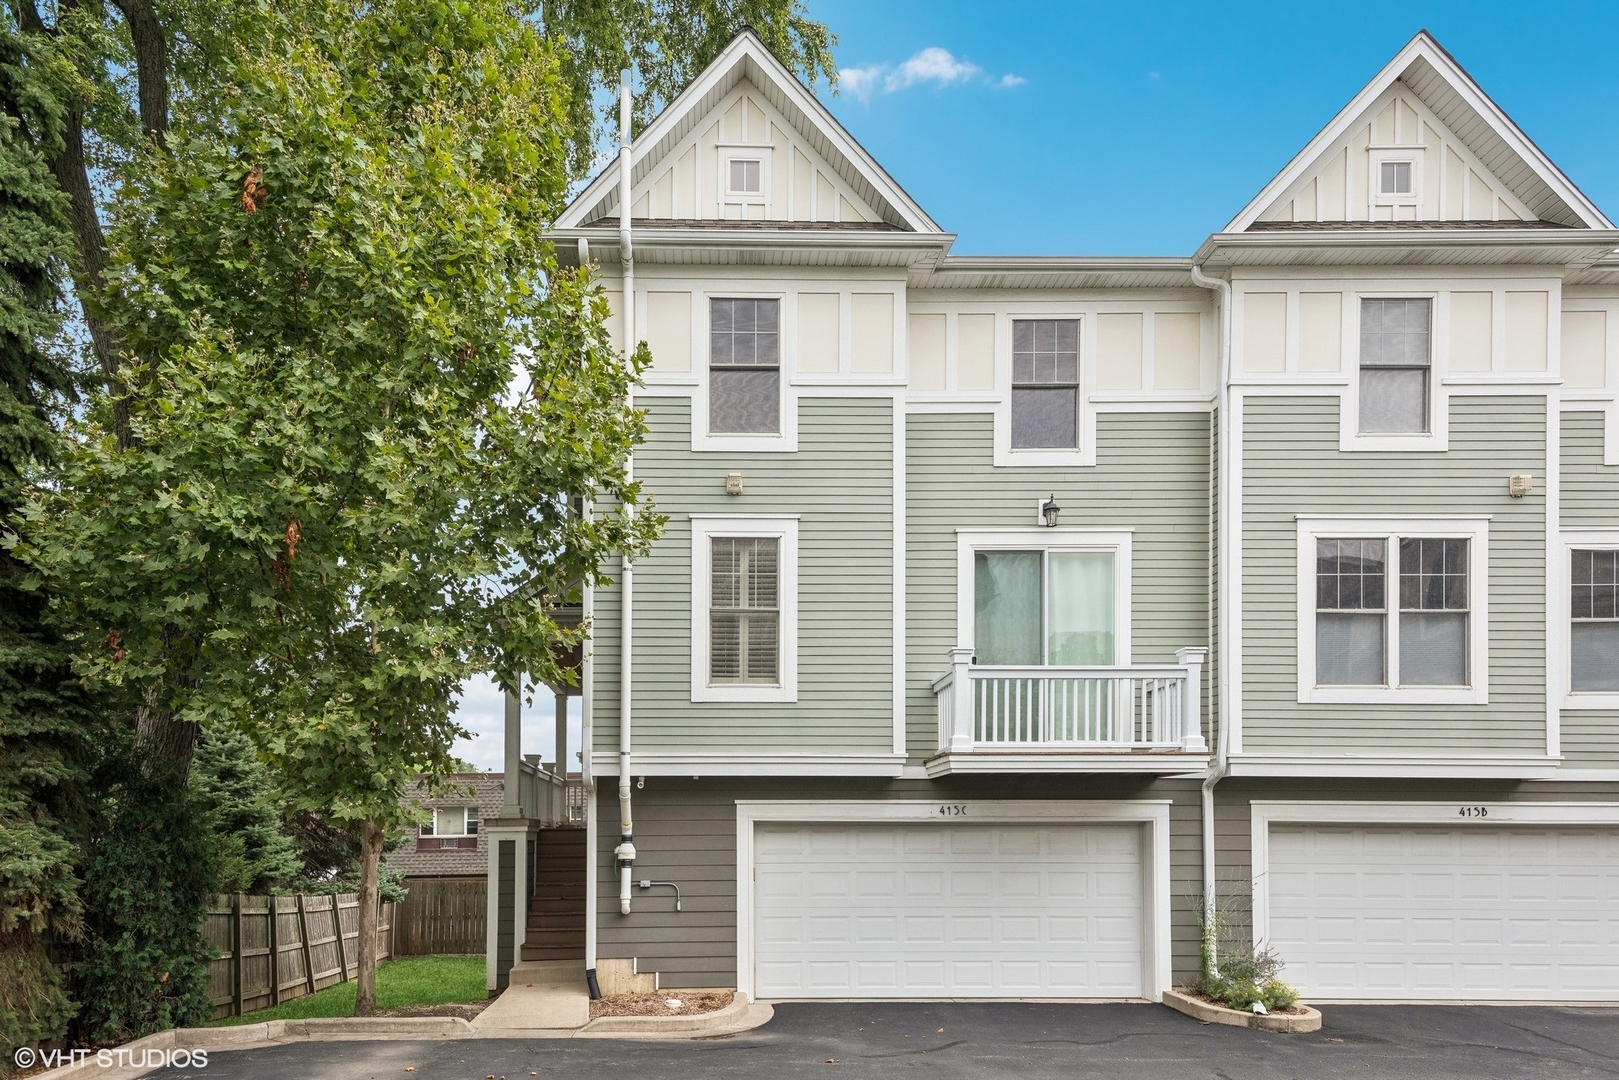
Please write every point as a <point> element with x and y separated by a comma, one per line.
<point>1128,718</point>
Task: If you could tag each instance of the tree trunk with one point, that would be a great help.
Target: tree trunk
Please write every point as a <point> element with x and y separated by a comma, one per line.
<point>365,972</point>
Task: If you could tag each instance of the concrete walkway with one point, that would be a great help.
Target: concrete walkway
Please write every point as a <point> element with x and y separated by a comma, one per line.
<point>542,998</point>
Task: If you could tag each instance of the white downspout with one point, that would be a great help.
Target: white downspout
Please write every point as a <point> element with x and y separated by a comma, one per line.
<point>1217,771</point>
<point>625,852</point>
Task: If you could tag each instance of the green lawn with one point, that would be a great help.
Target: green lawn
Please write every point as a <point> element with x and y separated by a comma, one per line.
<point>412,980</point>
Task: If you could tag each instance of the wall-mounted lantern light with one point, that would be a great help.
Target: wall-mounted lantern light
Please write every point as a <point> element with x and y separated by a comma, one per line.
<point>1049,511</point>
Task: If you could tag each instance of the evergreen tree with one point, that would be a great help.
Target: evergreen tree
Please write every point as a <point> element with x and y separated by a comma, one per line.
<point>44,718</point>
<point>243,806</point>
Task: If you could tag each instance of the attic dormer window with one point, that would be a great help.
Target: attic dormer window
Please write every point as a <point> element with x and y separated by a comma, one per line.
<point>1394,178</point>
<point>745,177</point>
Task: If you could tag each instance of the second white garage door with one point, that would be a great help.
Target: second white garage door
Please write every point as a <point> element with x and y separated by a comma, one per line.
<point>1476,913</point>
<point>948,910</point>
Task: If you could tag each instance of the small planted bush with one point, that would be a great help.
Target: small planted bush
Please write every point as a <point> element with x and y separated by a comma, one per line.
<point>1236,974</point>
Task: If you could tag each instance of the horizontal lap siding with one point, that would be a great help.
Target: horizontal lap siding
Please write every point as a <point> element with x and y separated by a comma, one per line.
<point>1588,499</point>
<point>1152,475</point>
<point>840,483</point>
<point>1291,466</point>
<point>685,832</point>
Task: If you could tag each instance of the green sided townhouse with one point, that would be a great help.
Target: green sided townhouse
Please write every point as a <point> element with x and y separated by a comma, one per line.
<point>1009,606</point>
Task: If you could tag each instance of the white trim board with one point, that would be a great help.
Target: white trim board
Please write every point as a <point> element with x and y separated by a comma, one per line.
<point>1152,814</point>
<point>1438,766</point>
<point>760,763</point>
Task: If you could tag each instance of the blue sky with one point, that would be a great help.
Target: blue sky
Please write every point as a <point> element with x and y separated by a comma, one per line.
<point>1138,129</point>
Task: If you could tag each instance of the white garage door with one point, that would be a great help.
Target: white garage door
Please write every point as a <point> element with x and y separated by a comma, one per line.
<point>948,910</point>
<point>1439,913</point>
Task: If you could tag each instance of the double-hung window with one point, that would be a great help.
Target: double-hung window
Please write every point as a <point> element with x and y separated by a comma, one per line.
<point>1594,628</point>
<point>744,366</point>
<point>1391,610</point>
<point>744,608</point>
<point>1045,384</point>
<point>1396,366</point>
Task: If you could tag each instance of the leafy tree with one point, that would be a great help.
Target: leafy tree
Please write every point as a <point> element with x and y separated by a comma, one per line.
<point>243,806</point>
<point>334,486</point>
<point>136,61</point>
<point>45,721</point>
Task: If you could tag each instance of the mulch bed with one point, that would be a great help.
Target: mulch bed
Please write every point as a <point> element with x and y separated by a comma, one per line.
<point>1291,1010</point>
<point>658,1004</point>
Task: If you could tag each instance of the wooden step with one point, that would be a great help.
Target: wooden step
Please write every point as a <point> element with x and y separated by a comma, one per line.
<point>569,953</point>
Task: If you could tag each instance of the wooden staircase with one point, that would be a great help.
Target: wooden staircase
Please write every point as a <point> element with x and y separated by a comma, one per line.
<point>556,914</point>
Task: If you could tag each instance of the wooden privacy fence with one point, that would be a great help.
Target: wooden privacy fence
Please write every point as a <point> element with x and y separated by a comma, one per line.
<point>442,915</point>
<point>277,948</point>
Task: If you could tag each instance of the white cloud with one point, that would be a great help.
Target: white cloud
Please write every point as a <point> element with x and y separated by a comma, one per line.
<point>931,65</point>
<point>934,65</point>
<point>860,81</point>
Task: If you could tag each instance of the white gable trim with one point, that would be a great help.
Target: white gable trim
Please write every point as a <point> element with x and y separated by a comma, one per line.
<point>1422,47</point>
<point>756,63</point>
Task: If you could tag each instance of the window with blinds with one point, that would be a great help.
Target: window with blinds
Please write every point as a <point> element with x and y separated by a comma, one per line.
<point>745,610</point>
<point>744,367</point>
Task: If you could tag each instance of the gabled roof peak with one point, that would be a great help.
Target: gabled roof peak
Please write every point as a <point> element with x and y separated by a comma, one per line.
<point>746,58</point>
<point>1445,89</point>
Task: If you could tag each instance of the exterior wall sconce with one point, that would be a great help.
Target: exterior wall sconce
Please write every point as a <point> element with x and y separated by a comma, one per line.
<point>733,483</point>
<point>1049,511</point>
<point>1520,484</point>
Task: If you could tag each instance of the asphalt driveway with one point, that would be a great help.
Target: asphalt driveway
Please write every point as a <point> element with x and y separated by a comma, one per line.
<point>943,1041</point>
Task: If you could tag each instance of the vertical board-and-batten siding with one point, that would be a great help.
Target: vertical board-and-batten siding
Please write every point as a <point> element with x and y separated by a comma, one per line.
<point>840,483</point>
<point>1151,475</point>
<point>1292,466</point>
<point>1589,499</point>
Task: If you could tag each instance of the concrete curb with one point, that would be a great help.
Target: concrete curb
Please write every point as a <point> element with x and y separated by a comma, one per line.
<point>1199,1009</point>
<point>268,1032</point>
<point>739,1015</point>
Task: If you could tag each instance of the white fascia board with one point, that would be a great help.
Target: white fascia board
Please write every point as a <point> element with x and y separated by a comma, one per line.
<point>759,764</point>
<point>1437,767</point>
<point>1424,47</point>
<point>744,47</point>
<point>1378,245</point>
<point>989,763</point>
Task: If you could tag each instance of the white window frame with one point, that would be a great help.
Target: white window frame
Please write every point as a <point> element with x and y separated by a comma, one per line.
<point>744,152</point>
<point>1437,437</point>
<point>1583,540</point>
<point>1084,450</point>
<point>1475,530</point>
<point>787,326</point>
<point>784,529</point>
<point>433,829</point>
<point>1117,542</point>
<point>1390,154</point>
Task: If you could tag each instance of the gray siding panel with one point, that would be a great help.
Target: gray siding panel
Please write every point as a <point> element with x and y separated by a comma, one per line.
<point>840,483</point>
<point>1151,475</point>
<point>685,832</point>
<point>1589,492</point>
<point>1589,499</point>
<point>1291,466</point>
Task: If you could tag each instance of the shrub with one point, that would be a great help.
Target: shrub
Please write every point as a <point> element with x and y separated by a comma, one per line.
<point>1235,973</point>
